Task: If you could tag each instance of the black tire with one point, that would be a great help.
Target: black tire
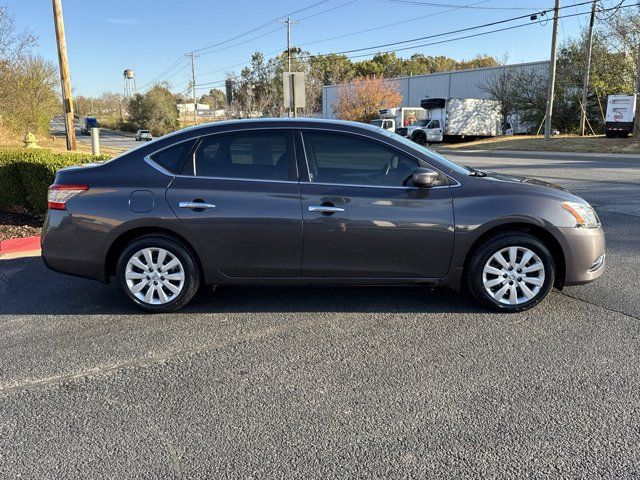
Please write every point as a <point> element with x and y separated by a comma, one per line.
<point>419,138</point>
<point>188,263</point>
<point>482,255</point>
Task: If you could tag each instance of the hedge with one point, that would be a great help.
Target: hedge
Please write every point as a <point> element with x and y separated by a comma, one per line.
<point>25,175</point>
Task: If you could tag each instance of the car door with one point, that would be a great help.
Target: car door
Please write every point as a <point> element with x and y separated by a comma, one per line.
<point>434,131</point>
<point>362,216</point>
<point>238,194</point>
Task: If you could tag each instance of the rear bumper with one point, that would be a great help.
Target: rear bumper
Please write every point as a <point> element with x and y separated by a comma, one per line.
<point>68,249</point>
<point>618,126</point>
<point>584,255</point>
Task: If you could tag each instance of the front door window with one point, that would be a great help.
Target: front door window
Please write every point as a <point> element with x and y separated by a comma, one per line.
<point>352,160</point>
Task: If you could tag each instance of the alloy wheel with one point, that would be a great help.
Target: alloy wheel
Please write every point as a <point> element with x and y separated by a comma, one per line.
<point>513,275</point>
<point>154,276</point>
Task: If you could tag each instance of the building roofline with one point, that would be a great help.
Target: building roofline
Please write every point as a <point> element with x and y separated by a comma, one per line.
<point>539,62</point>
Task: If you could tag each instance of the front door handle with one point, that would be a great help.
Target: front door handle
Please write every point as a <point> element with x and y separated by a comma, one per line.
<point>196,205</point>
<point>325,209</point>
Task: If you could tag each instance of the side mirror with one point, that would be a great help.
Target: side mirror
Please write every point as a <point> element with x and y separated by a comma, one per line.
<point>424,177</point>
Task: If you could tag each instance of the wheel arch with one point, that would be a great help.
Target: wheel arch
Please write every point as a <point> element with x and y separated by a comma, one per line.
<point>125,238</point>
<point>540,233</point>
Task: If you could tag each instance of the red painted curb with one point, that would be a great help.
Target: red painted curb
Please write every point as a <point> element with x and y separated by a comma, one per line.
<point>16,245</point>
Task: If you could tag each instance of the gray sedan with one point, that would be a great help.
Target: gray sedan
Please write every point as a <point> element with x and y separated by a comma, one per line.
<point>307,201</point>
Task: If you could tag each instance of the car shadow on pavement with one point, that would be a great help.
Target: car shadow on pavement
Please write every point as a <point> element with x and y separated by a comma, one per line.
<point>27,287</point>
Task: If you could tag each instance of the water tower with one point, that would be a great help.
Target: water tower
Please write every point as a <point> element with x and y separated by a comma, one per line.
<point>129,83</point>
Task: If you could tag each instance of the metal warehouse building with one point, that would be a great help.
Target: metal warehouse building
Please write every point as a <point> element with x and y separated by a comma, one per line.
<point>456,84</point>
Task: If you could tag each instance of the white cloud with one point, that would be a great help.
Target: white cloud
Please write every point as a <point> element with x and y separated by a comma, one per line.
<point>122,21</point>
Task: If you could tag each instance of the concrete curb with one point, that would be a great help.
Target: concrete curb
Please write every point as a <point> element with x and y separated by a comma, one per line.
<point>20,245</point>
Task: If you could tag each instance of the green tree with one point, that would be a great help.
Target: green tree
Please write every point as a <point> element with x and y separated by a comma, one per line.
<point>156,110</point>
<point>28,84</point>
<point>216,99</point>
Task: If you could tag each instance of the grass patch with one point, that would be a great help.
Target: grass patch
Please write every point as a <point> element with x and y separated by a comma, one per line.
<point>560,143</point>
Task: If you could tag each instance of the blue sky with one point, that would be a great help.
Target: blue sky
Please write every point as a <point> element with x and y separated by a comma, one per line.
<point>105,37</point>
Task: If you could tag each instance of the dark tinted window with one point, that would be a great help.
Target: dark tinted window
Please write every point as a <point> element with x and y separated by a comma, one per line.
<point>347,159</point>
<point>254,155</point>
<point>172,158</point>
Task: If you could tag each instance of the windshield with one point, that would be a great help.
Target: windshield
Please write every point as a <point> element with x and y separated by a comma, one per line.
<point>422,123</point>
<point>376,123</point>
<point>443,160</point>
<point>144,131</point>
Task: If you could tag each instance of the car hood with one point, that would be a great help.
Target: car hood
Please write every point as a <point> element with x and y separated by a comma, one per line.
<point>518,183</point>
<point>501,177</point>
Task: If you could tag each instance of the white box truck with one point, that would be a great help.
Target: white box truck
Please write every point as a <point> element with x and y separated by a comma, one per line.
<point>621,112</point>
<point>456,118</point>
<point>393,118</point>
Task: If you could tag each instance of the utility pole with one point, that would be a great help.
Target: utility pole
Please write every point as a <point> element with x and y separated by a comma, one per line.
<point>552,71</point>
<point>193,86</point>
<point>636,122</point>
<point>288,22</point>
<point>65,77</point>
<point>587,68</point>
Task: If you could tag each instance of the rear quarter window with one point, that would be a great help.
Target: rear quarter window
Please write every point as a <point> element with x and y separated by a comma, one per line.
<point>172,158</point>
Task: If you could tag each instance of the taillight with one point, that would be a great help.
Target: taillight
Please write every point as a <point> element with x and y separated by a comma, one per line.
<point>59,195</point>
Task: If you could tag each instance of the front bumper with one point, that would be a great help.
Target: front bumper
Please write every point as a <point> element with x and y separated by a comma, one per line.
<point>584,253</point>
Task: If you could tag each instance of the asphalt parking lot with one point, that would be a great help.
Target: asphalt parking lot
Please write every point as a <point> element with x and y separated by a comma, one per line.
<point>256,382</point>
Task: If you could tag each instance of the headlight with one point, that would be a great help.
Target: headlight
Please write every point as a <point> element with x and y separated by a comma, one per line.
<point>585,215</point>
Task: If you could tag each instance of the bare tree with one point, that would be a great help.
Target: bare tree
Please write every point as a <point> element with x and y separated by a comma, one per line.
<point>500,87</point>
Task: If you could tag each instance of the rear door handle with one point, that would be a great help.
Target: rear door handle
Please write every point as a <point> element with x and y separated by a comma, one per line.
<point>196,205</point>
<point>325,209</point>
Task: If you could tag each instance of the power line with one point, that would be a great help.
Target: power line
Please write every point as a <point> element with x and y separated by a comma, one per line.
<point>343,35</point>
<point>461,30</point>
<point>435,36</point>
<point>387,25</point>
<point>462,37</point>
<point>260,27</point>
<point>512,27</point>
<point>182,58</point>
<point>432,4</point>
<point>277,29</point>
<point>268,33</point>
<point>163,73</point>
<point>327,10</point>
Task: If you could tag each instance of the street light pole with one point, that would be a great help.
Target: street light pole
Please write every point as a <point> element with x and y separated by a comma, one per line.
<point>65,77</point>
<point>552,72</point>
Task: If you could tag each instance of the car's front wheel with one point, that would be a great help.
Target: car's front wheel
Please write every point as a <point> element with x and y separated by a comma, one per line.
<point>158,274</point>
<point>511,272</point>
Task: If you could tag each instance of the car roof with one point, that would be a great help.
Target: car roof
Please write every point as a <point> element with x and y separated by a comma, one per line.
<point>277,122</point>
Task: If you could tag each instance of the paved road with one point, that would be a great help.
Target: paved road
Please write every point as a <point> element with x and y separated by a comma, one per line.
<point>108,138</point>
<point>331,382</point>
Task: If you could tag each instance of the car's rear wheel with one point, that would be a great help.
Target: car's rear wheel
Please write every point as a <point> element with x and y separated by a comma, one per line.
<point>511,272</point>
<point>158,274</point>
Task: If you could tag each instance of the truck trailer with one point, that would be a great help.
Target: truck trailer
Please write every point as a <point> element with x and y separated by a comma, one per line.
<point>456,118</point>
<point>621,112</point>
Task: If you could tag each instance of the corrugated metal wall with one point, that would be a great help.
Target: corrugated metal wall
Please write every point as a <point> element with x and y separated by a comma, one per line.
<point>456,84</point>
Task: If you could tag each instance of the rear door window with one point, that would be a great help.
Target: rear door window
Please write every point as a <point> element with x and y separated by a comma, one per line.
<point>255,155</point>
